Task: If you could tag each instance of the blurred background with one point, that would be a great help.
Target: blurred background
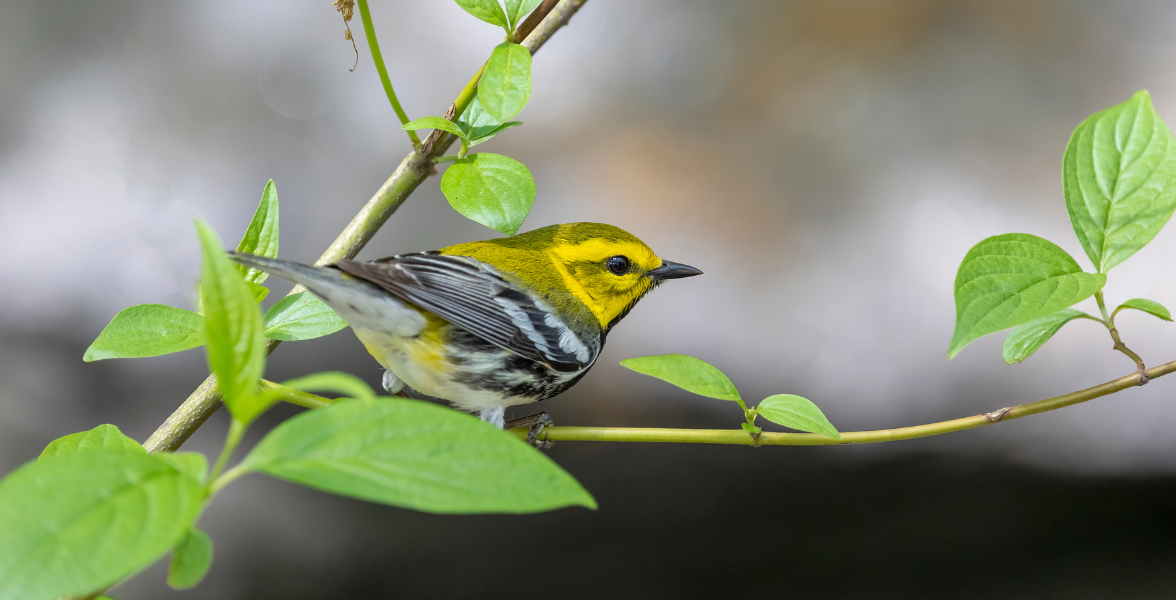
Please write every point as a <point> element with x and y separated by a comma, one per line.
<point>826,163</point>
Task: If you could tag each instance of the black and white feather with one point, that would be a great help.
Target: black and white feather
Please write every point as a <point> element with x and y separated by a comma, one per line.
<point>470,294</point>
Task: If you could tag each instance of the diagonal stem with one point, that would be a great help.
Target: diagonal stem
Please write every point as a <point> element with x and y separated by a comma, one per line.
<point>369,30</point>
<point>415,167</point>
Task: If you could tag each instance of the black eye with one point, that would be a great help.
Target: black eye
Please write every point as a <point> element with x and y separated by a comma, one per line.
<point>619,265</point>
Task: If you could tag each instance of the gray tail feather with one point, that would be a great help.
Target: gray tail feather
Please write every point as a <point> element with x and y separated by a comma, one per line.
<point>313,278</point>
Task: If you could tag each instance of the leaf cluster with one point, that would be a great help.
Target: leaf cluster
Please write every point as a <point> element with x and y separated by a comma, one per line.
<point>702,378</point>
<point>1119,179</point>
<point>494,190</point>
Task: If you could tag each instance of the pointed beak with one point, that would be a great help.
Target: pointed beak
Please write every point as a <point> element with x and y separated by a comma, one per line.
<point>672,270</point>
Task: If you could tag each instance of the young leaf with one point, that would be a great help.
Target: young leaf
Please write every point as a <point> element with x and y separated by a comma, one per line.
<point>414,455</point>
<point>102,436</point>
<point>686,372</point>
<point>261,238</point>
<point>1011,279</point>
<point>78,522</point>
<point>435,123</point>
<point>1148,306</point>
<point>300,316</point>
<point>147,330</point>
<point>475,121</point>
<point>495,131</point>
<point>479,126</point>
<point>344,384</point>
<point>517,9</point>
<point>487,10</point>
<point>505,86</point>
<point>236,348</point>
<point>192,464</point>
<point>1119,173</point>
<point>491,189</point>
<point>798,413</point>
<point>190,560</point>
<point>258,291</point>
<point>1025,339</point>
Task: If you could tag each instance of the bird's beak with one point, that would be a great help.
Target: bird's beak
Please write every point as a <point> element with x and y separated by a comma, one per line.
<point>672,270</point>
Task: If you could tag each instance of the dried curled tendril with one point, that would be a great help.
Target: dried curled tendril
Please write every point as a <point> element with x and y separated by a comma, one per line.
<point>347,8</point>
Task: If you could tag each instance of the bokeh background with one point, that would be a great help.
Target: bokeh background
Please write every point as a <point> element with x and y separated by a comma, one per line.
<point>826,163</point>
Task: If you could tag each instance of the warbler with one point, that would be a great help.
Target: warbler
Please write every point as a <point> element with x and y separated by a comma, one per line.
<point>491,324</point>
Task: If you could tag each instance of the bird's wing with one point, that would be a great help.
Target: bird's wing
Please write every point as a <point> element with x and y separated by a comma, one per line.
<point>468,293</point>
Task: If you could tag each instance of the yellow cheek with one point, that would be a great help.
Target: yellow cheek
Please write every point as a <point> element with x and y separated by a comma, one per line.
<point>573,285</point>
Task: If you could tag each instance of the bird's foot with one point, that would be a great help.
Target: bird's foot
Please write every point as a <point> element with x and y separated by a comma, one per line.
<point>394,385</point>
<point>536,423</point>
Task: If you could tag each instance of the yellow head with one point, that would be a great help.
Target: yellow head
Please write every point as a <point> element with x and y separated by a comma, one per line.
<point>578,266</point>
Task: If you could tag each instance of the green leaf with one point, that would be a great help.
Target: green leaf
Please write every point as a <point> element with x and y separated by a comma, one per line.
<point>190,560</point>
<point>517,9</point>
<point>414,455</point>
<point>491,189</point>
<point>1011,279</point>
<point>435,123</point>
<point>496,131</point>
<point>102,436</point>
<point>1120,180</point>
<point>505,85</point>
<point>147,330</point>
<point>1148,306</point>
<point>258,291</point>
<point>487,10</point>
<point>78,522</point>
<point>192,464</point>
<point>479,126</point>
<point>752,429</point>
<point>344,384</point>
<point>236,348</point>
<point>796,412</point>
<point>300,316</point>
<point>1025,339</point>
<point>686,372</point>
<point>261,238</point>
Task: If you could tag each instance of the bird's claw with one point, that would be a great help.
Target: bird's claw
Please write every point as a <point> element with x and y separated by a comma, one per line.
<point>536,423</point>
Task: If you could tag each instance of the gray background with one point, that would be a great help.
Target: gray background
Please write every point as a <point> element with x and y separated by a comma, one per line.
<point>827,164</point>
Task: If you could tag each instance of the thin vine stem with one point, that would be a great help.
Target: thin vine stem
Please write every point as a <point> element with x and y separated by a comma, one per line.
<point>416,166</point>
<point>770,438</point>
<point>369,31</point>
<point>741,437</point>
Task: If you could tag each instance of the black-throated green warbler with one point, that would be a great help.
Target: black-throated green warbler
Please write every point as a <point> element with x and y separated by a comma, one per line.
<point>491,324</point>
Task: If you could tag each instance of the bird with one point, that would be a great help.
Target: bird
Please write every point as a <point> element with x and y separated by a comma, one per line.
<point>490,324</point>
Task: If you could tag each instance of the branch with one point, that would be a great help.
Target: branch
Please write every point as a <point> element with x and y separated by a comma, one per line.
<point>412,171</point>
<point>740,437</point>
<point>768,438</point>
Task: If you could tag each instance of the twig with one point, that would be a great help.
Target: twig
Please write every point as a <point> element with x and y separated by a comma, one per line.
<point>769,438</point>
<point>412,171</point>
<point>1109,321</point>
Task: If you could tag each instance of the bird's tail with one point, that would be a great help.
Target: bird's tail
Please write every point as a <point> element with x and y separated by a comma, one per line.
<point>319,280</point>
